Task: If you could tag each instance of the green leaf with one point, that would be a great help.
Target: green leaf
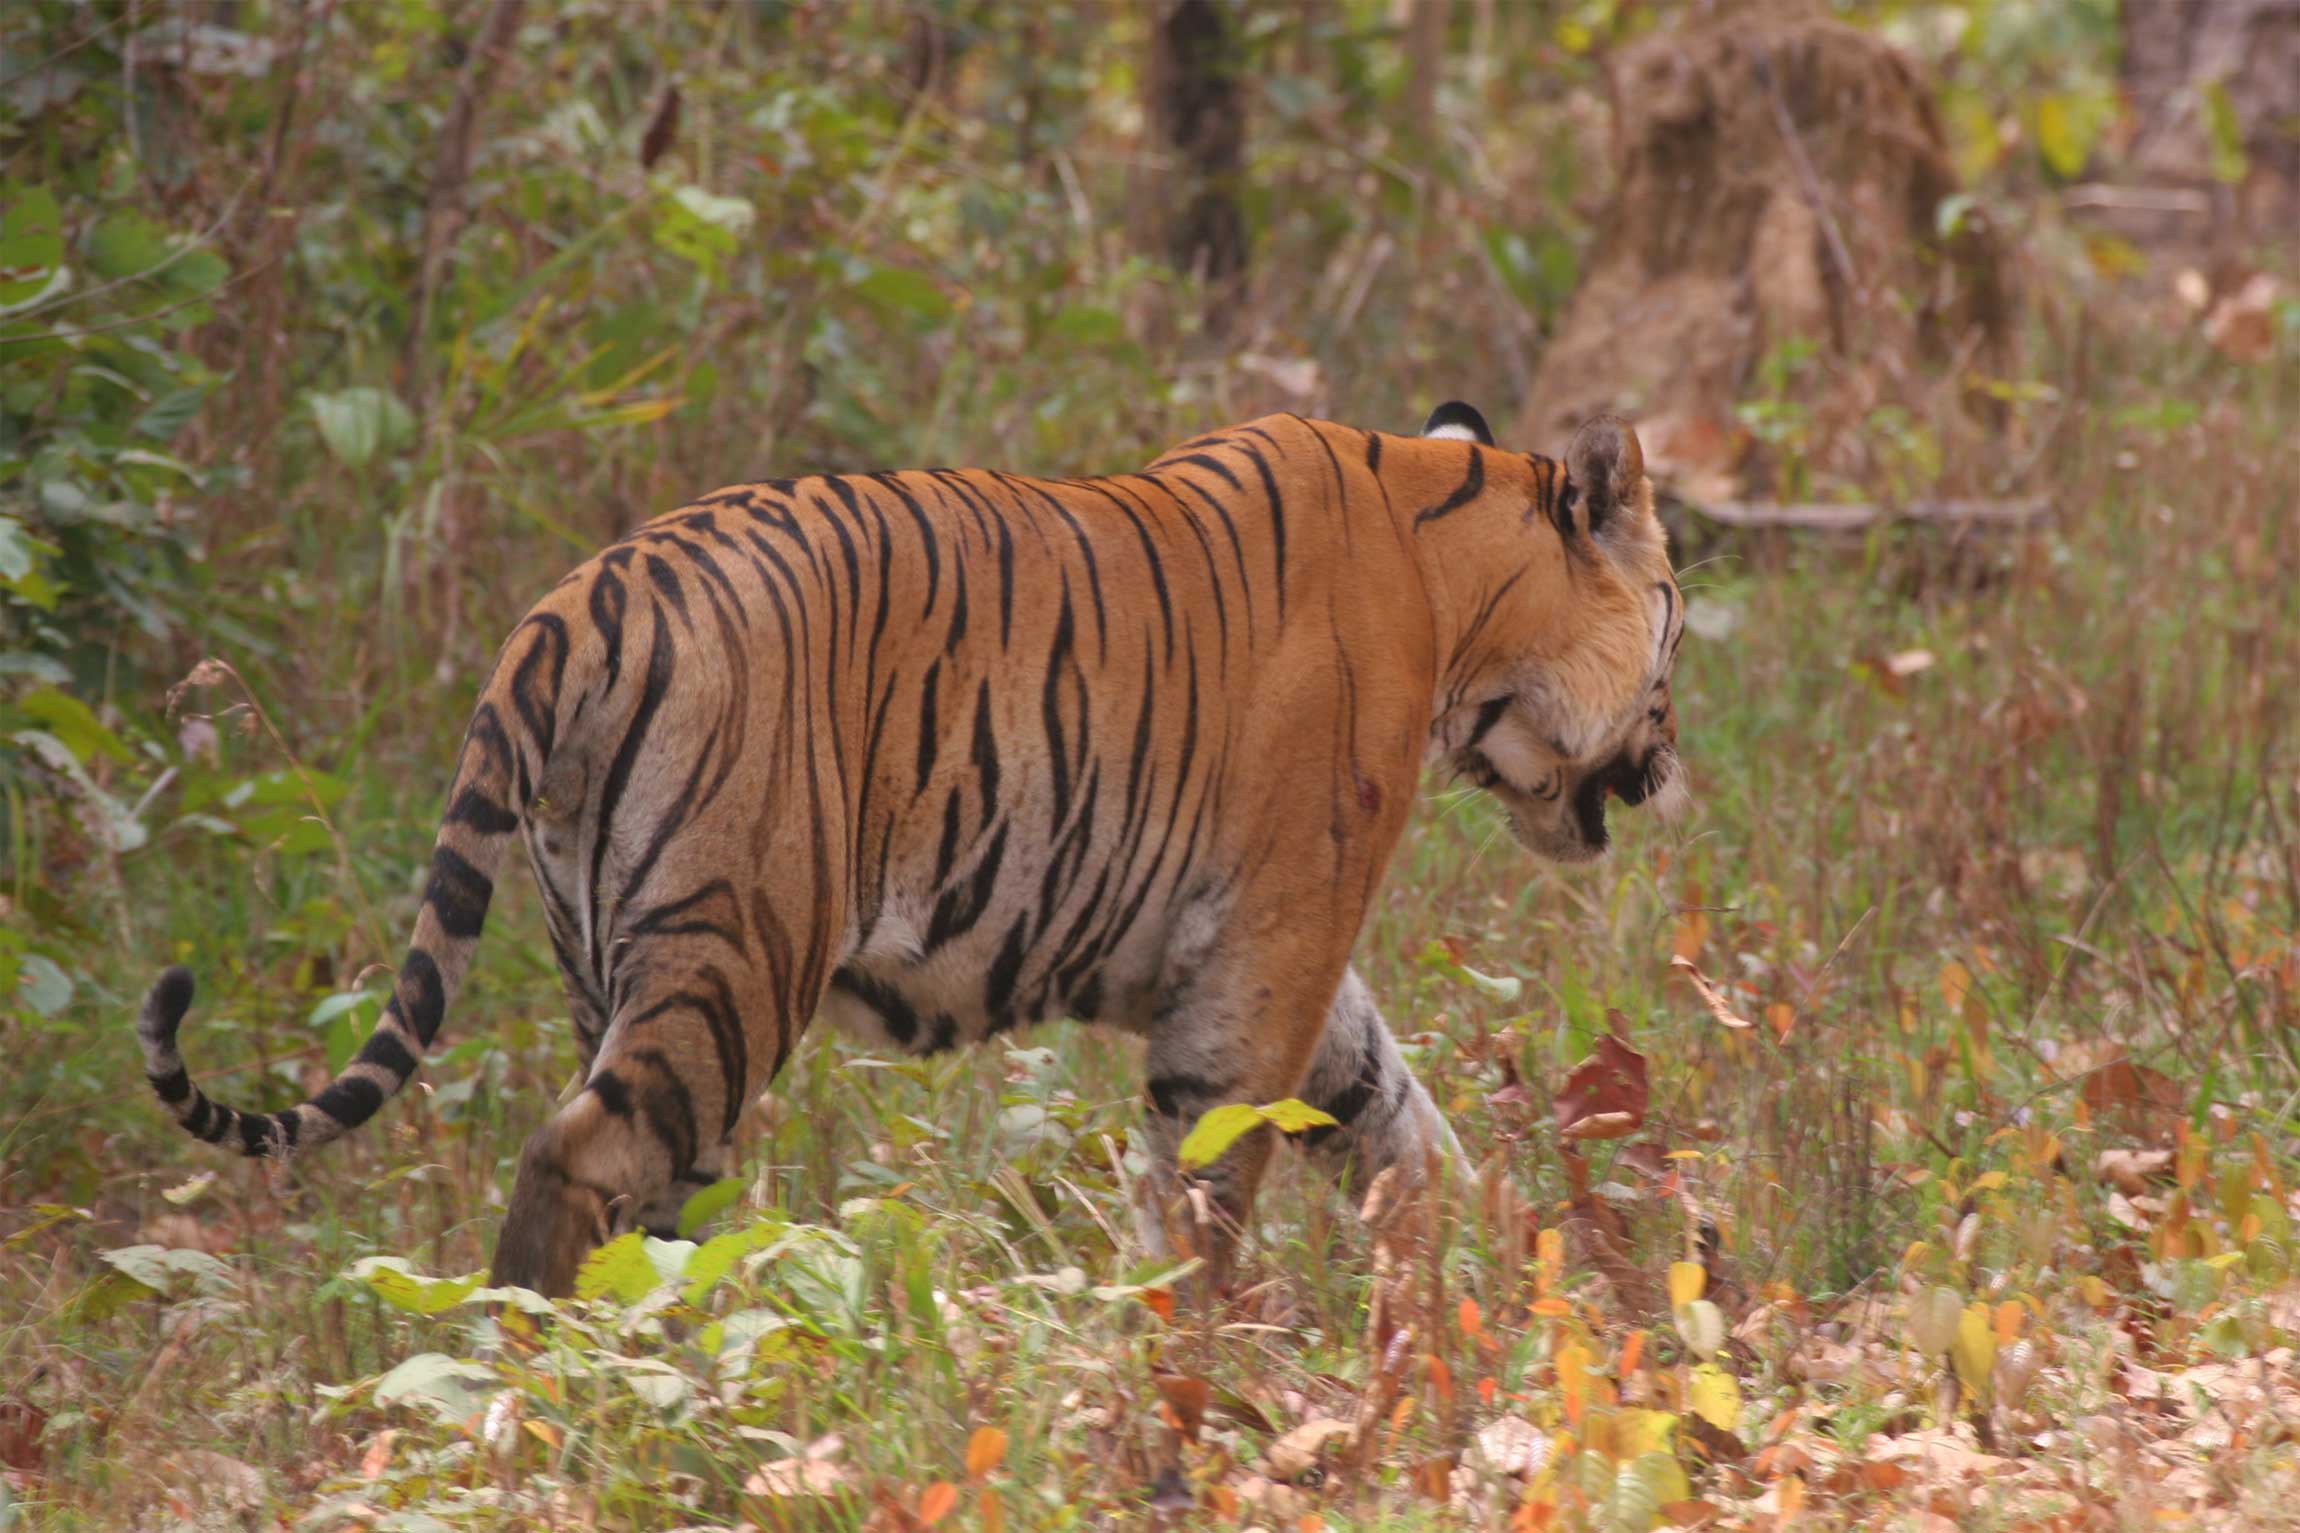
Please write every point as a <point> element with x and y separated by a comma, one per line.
<point>897,290</point>
<point>1213,1134</point>
<point>100,814</point>
<point>31,242</point>
<point>197,273</point>
<point>449,1387</point>
<point>169,414</point>
<point>1087,325</point>
<point>2068,124</point>
<point>702,227</point>
<point>620,1269</point>
<point>19,550</point>
<point>74,723</point>
<point>344,1021</point>
<point>711,1202</point>
<point>716,1257</point>
<point>1951,212</point>
<point>126,244</point>
<point>358,424</point>
<point>2226,132</point>
<point>42,984</point>
<point>165,1271</point>
<point>415,1293</point>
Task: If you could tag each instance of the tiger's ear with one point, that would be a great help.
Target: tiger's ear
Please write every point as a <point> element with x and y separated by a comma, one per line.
<point>1454,421</point>
<point>1607,467</point>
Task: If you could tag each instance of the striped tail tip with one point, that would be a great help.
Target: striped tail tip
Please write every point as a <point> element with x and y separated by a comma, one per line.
<point>157,1024</point>
<point>164,1007</point>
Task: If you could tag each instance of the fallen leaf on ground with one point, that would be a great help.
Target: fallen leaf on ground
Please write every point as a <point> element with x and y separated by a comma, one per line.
<point>1935,1452</point>
<point>792,1478</point>
<point>1510,1446</point>
<point>2132,1170</point>
<point>1298,1450</point>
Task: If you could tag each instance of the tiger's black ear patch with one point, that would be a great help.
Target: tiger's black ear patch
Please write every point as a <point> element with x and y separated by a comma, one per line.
<point>1457,422</point>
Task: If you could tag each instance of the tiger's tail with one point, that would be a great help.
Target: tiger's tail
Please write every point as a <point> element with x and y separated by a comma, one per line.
<point>491,780</point>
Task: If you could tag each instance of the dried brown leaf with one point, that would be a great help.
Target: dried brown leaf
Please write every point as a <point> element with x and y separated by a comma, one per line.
<point>1300,1450</point>
<point>1711,997</point>
<point>1605,1096</point>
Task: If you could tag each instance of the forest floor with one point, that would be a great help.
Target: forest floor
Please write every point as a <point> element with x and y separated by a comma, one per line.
<point>1963,1196</point>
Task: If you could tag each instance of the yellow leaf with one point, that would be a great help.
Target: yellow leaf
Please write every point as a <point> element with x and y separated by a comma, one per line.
<point>1987,1181</point>
<point>1215,1131</point>
<point>1573,1378</point>
<point>1956,980</point>
<point>1974,1352</point>
<point>2057,138</point>
<point>1687,1281</point>
<point>985,1451</point>
<point>1292,1115</point>
<point>1714,1397</point>
<point>1549,1246</point>
<point>2093,1291</point>
<point>1639,1432</point>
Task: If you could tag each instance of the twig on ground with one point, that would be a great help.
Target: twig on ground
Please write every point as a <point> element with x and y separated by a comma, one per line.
<point>1859,516</point>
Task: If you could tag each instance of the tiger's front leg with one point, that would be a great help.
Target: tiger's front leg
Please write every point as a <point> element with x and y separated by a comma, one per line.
<point>1218,1042</point>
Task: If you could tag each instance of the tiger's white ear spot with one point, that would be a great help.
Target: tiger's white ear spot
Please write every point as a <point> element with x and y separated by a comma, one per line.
<point>1454,421</point>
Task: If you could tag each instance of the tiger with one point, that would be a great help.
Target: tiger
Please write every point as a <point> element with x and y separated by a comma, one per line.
<point>934,755</point>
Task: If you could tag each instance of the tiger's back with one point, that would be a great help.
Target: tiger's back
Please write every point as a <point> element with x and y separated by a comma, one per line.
<point>937,754</point>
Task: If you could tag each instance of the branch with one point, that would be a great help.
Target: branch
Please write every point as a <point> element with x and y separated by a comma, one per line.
<point>1817,517</point>
<point>443,212</point>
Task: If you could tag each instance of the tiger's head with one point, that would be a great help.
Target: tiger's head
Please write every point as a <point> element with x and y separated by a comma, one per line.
<point>1566,618</point>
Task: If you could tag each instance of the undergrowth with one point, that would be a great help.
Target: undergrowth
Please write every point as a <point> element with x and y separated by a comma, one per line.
<point>1965,1192</point>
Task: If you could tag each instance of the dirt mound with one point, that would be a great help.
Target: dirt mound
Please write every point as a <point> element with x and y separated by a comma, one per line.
<point>1782,229</point>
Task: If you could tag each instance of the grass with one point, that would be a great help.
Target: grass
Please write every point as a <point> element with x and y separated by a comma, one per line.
<point>1948,898</point>
<point>1997,846</point>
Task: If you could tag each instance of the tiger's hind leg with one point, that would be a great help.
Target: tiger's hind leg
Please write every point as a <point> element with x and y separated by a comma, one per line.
<point>1385,1116</point>
<point>653,1124</point>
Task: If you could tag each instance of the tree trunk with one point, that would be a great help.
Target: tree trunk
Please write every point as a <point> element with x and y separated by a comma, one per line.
<point>1774,236</point>
<point>2181,58</point>
<point>1197,115</point>
<point>1425,60</point>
